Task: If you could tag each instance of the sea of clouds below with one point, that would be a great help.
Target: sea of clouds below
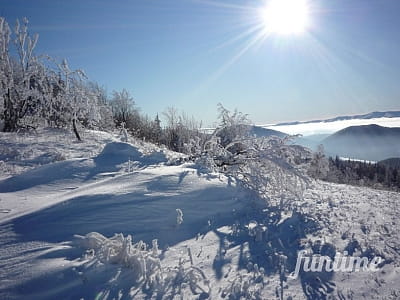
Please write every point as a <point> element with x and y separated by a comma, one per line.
<point>307,129</point>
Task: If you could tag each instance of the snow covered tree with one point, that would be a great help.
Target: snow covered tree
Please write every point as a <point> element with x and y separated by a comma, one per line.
<point>17,76</point>
<point>171,137</point>
<point>105,118</point>
<point>123,106</point>
<point>34,93</point>
<point>319,166</point>
<point>79,104</point>
<point>157,131</point>
<point>6,77</point>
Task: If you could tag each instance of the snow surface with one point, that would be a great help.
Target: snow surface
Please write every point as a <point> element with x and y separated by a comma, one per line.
<point>58,222</point>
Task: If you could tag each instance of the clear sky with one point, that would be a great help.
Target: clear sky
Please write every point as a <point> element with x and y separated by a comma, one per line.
<point>193,54</point>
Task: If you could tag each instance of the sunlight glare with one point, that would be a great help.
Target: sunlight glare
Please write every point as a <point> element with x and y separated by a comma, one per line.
<point>286,17</point>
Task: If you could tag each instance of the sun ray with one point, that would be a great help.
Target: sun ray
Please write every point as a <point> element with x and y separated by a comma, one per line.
<point>224,5</point>
<point>239,37</point>
<point>256,39</point>
<point>252,30</point>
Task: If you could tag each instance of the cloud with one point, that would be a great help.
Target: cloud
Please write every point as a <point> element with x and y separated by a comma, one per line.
<point>331,127</point>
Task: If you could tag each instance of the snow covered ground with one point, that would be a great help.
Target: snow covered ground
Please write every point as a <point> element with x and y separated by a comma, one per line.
<point>62,202</point>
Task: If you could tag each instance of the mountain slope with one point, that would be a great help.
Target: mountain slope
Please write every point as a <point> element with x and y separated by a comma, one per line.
<point>265,132</point>
<point>259,131</point>
<point>393,162</point>
<point>368,142</point>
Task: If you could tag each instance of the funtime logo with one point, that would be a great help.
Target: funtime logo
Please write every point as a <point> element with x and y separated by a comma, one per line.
<point>340,263</point>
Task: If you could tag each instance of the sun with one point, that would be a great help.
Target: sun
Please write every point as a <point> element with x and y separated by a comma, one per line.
<point>286,17</point>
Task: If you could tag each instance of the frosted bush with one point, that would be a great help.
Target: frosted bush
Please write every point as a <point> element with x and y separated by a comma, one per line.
<point>145,263</point>
<point>269,167</point>
<point>265,166</point>
<point>123,251</point>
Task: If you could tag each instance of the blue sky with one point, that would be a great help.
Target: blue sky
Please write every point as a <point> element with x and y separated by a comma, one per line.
<point>191,54</point>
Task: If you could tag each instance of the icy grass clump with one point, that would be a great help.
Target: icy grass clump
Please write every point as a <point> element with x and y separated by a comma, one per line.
<point>145,263</point>
<point>122,251</point>
<point>181,279</point>
<point>246,286</point>
<point>179,217</point>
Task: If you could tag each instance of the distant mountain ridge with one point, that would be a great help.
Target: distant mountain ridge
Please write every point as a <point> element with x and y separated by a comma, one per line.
<point>265,132</point>
<point>370,130</point>
<point>393,162</point>
<point>372,115</point>
<point>367,142</point>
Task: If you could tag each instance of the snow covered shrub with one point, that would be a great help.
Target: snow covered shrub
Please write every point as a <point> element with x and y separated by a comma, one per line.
<point>121,250</point>
<point>269,167</point>
<point>145,263</point>
<point>193,147</point>
<point>181,132</point>
<point>232,126</point>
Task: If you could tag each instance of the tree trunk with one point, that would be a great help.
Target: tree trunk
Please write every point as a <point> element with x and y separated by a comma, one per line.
<point>76,130</point>
<point>10,115</point>
<point>10,122</point>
